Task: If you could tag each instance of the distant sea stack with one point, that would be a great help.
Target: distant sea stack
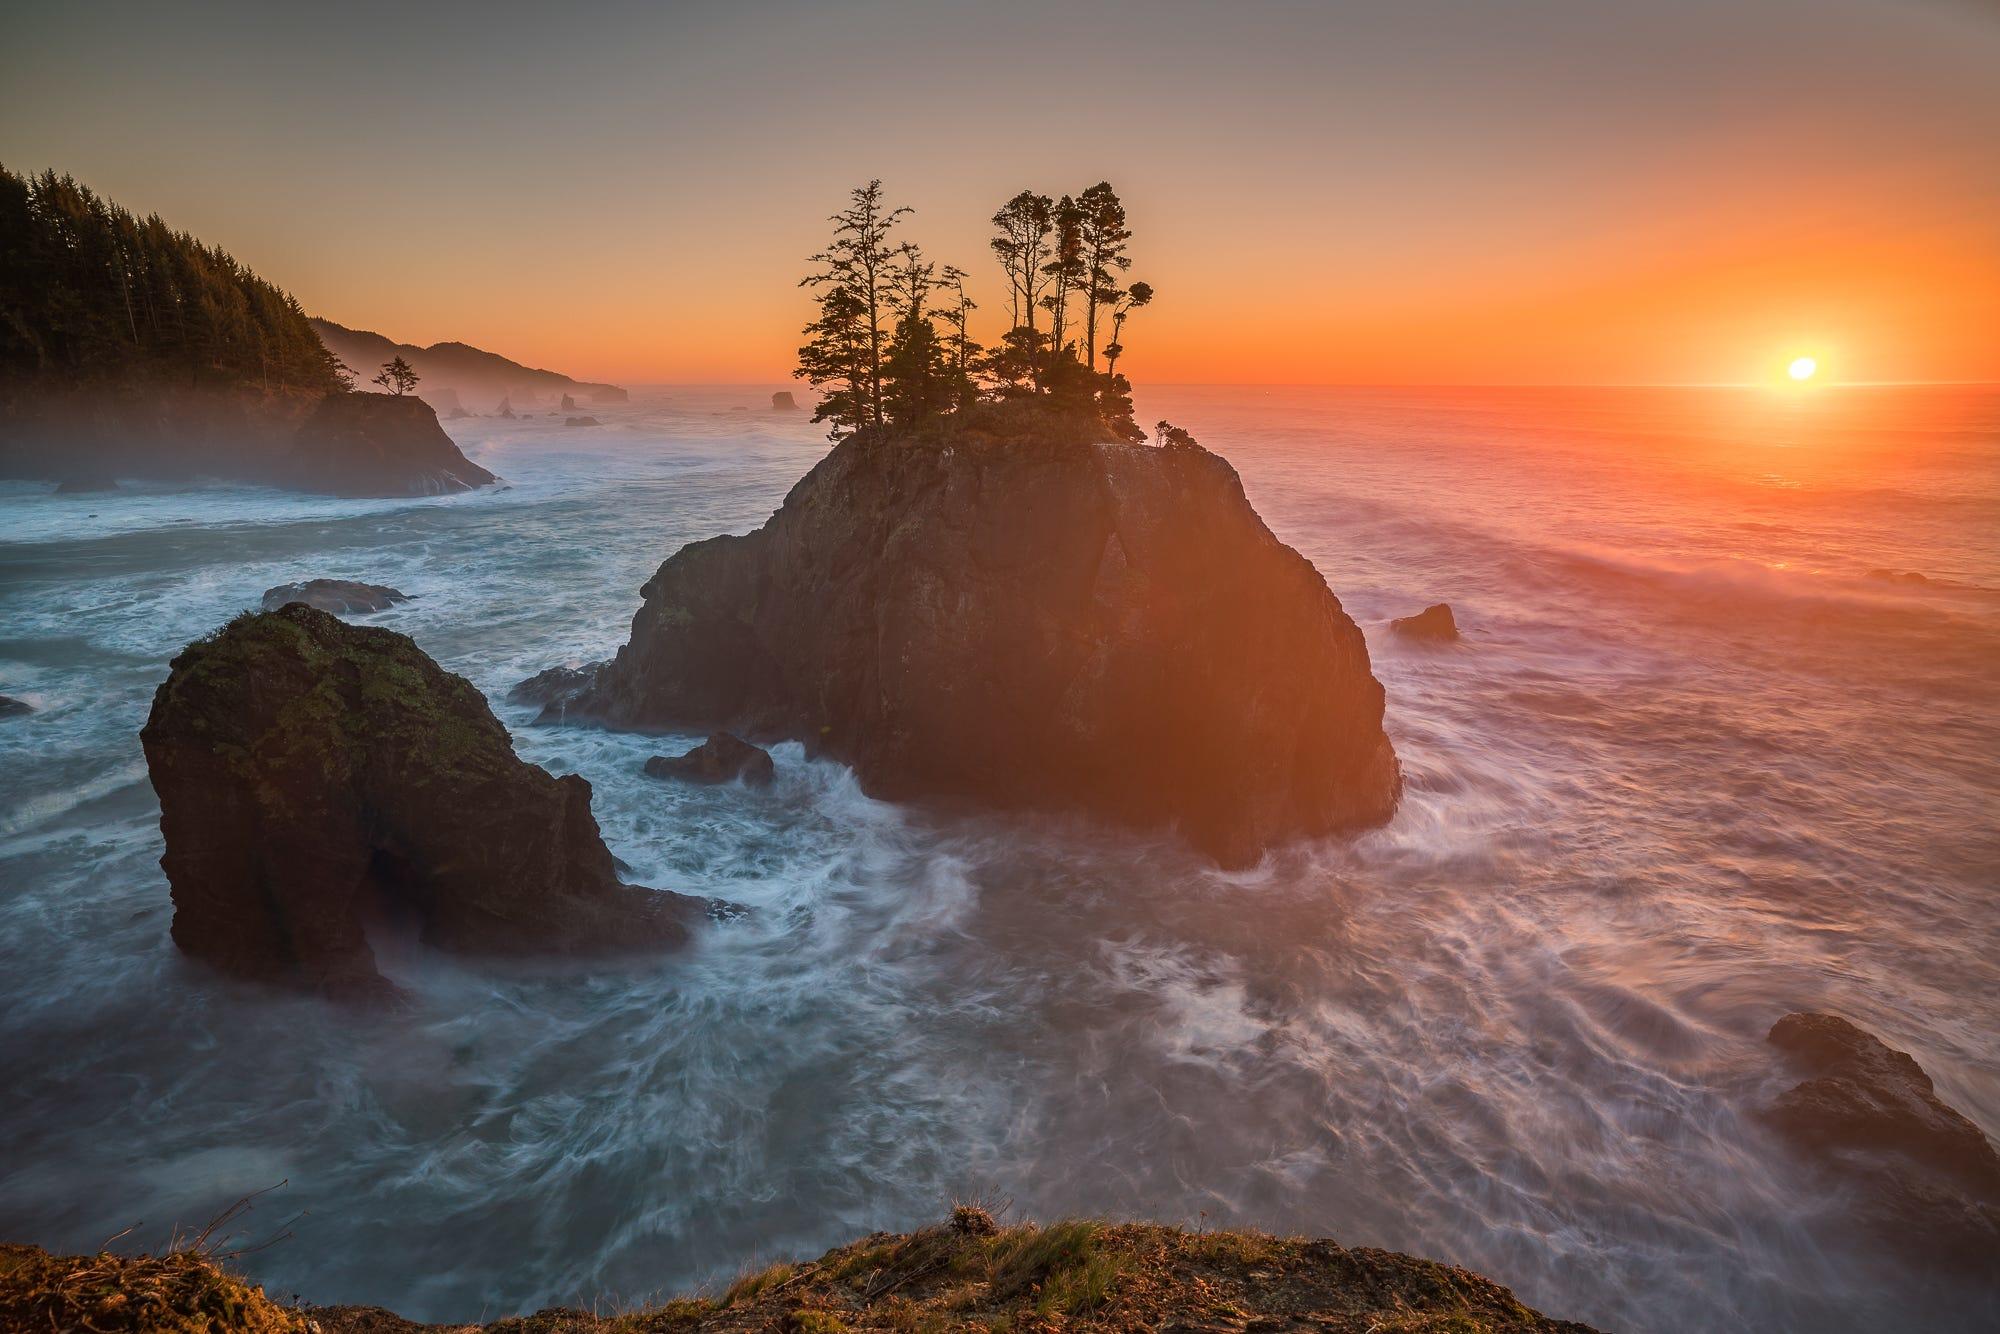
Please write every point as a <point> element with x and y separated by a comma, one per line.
<point>312,772</point>
<point>782,401</point>
<point>1025,615</point>
<point>379,445</point>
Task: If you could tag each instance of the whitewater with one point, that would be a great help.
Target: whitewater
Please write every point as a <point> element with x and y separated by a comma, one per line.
<point>1707,754</point>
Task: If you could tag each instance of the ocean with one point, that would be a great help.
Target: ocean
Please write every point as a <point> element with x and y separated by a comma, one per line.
<point>1707,754</point>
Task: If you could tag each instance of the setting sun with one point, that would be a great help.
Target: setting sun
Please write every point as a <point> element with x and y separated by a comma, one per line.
<point>1802,369</point>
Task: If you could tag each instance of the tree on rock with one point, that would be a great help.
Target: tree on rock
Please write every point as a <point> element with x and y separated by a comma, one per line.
<point>397,377</point>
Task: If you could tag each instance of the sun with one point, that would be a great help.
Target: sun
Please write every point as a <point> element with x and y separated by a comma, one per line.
<point>1802,369</point>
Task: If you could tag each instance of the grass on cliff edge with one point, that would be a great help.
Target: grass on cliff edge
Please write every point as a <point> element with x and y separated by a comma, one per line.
<point>965,1274</point>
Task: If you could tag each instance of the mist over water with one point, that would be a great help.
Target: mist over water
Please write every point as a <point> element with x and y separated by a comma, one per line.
<point>1692,768</point>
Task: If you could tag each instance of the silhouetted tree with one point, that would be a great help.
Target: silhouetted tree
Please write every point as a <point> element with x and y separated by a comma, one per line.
<point>837,360</point>
<point>962,355</point>
<point>397,377</point>
<point>1104,238</point>
<point>858,260</point>
<point>1064,270</point>
<point>1136,296</point>
<point>1023,225</point>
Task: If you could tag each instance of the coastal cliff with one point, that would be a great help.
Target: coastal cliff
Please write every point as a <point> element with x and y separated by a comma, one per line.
<point>1020,613</point>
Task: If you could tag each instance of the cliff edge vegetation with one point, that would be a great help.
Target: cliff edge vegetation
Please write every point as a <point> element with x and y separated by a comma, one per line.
<point>964,1274</point>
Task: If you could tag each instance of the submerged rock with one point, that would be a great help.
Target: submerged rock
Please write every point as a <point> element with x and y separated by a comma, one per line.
<point>1026,616</point>
<point>720,759</point>
<point>1434,623</point>
<point>312,774</point>
<point>1870,1112</point>
<point>379,445</point>
<point>782,401</point>
<point>581,421</point>
<point>14,708</point>
<point>334,595</point>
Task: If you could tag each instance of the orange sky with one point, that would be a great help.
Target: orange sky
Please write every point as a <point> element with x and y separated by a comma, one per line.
<point>1553,191</point>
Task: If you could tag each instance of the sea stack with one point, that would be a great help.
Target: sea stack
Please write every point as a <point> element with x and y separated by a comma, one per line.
<point>1929,1179</point>
<point>1023,613</point>
<point>312,773</point>
<point>379,445</point>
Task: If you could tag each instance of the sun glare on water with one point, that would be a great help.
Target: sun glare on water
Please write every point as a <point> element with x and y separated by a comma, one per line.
<point>1802,369</point>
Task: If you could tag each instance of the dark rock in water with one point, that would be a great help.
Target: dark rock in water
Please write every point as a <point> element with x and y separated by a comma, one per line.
<point>1870,1112</point>
<point>555,689</point>
<point>720,759</point>
<point>1899,576</point>
<point>568,403</point>
<point>1025,615</point>
<point>312,774</point>
<point>581,421</point>
<point>782,401</point>
<point>334,595</point>
<point>14,708</point>
<point>379,445</point>
<point>609,393</point>
<point>1434,623</point>
<point>457,414</point>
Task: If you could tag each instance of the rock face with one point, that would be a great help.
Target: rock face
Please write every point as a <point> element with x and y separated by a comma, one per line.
<point>782,401</point>
<point>1870,1112</point>
<point>555,689</point>
<point>720,759</point>
<point>1434,624</point>
<point>379,445</point>
<point>1026,620</point>
<point>334,595</point>
<point>314,774</point>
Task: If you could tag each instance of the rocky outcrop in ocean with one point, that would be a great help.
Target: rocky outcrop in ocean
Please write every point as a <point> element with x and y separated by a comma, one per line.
<point>313,774</point>
<point>1026,615</point>
<point>378,445</point>
<point>1434,624</point>
<point>1929,1178</point>
<point>720,759</point>
<point>339,596</point>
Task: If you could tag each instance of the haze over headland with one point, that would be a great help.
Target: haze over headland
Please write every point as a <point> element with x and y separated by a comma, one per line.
<point>1550,192</point>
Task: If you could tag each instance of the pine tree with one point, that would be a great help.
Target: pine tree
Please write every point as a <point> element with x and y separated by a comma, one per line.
<point>1104,239</point>
<point>397,377</point>
<point>859,260</point>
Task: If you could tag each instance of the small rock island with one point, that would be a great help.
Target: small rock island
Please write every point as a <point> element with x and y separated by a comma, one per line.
<point>312,772</point>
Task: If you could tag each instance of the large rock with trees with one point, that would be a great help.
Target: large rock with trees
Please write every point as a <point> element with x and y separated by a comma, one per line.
<point>313,775</point>
<point>1024,613</point>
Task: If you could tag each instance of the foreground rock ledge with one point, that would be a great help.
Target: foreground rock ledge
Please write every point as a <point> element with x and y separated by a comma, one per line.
<point>313,774</point>
<point>963,1275</point>
<point>1025,616</point>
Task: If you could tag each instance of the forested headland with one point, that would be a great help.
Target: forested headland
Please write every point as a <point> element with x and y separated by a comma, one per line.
<point>91,293</point>
<point>891,347</point>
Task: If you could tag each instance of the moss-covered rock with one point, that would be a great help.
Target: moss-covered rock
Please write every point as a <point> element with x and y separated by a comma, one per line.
<point>312,773</point>
<point>964,1276</point>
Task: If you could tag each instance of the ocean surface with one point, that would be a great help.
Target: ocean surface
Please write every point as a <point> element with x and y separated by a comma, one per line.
<point>1693,767</point>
